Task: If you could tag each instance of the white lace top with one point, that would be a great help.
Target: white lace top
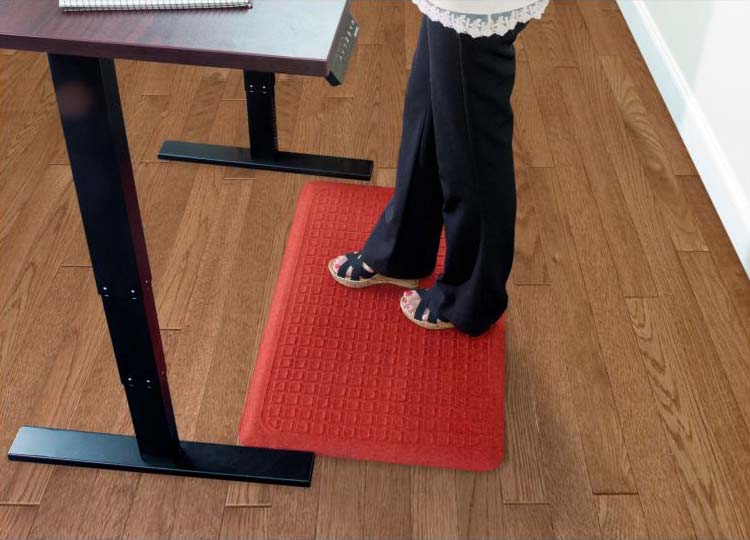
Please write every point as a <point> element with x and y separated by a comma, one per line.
<point>480,18</point>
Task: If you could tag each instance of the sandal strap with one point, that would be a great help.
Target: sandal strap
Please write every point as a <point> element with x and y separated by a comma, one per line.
<point>355,262</point>
<point>419,312</point>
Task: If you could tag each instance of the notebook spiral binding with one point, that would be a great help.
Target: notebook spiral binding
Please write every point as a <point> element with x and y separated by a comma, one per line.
<point>137,5</point>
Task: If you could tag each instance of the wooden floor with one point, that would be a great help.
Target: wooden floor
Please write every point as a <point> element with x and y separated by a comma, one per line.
<point>628,365</point>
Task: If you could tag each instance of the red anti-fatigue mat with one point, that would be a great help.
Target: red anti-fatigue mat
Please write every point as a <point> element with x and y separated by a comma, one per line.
<point>341,372</point>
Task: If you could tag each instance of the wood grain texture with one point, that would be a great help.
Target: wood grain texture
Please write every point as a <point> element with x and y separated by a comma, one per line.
<point>627,369</point>
<point>523,469</point>
<point>684,425</point>
<point>586,369</point>
<point>293,36</point>
<point>16,521</point>
<point>528,521</point>
<point>722,323</point>
<point>725,258</point>
<point>621,517</point>
<point>678,218</point>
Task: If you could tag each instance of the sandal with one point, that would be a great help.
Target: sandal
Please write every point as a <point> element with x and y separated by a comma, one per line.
<point>432,322</point>
<point>360,277</point>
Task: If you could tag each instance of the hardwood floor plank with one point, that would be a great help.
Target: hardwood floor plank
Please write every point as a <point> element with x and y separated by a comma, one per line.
<point>294,512</point>
<point>391,88</point>
<point>608,465</point>
<point>529,262</point>
<point>370,16</point>
<point>704,480</point>
<point>539,51</point>
<point>31,139</point>
<point>479,499</point>
<point>609,32</point>
<point>341,510</point>
<point>288,94</point>
<point>723,324</point>
<point>157,79</point>
<point>434,504</point>
<point>387,493</point>
<point>529,137</point>
<point>727,262</point>
<point>180,97</point>
<point>177,284</point>
<point>148,113</point>
<point>30,222</point>
<point>345,120</point>
<point>202,212</point>
<point>523,468</point>
<point>679,159</point>
<point>28,73</point>
<point>621,517</point>
<point>528,521</point>
<point>560,53</point>
<point>678,218</point>
<point>566,482</point>
<point>628,257</point>
<point>44,381</point>
<point>244,523</point>
<point>16,521</point>
<point>153,509</point>
<point>412,25</point>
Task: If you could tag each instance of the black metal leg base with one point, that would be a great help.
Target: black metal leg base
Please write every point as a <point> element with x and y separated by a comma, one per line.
<point>206,460</point>
<point>230,156</point>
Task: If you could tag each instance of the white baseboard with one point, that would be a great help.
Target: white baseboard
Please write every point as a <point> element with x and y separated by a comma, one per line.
<point>719,177</point>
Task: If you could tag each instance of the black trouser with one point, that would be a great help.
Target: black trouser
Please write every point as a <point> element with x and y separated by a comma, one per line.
<point>455,168</point>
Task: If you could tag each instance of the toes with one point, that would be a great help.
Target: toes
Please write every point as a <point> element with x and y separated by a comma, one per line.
<point>338,262</point>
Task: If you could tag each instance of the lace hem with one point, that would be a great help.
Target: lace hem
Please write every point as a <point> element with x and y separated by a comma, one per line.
<point>482,25</point>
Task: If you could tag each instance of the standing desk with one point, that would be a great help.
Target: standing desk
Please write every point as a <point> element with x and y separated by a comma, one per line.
<point>302,37</point>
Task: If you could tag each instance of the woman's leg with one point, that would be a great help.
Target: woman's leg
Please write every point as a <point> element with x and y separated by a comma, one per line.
<point>405,240</point>
<point>471,84</point>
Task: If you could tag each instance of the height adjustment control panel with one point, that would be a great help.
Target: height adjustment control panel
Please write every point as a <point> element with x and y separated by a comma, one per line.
<point>342,53</point>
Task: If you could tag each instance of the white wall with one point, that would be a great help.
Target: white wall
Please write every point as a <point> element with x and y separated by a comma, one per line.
<point>699,54</point>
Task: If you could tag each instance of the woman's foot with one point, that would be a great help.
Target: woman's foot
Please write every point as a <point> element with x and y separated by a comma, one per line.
<point>352,271</point>
<point>414,306</point>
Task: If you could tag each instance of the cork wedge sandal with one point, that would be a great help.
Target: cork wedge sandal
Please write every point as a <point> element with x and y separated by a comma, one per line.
<point>432,322</point>
<point>361,277</point>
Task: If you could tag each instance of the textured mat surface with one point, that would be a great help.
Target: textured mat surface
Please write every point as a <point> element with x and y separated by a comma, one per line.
<point>341,372</point>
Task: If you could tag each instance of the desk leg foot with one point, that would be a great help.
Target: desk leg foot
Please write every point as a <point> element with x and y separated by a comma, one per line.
<point>204,460</point>
<point>230,156</point>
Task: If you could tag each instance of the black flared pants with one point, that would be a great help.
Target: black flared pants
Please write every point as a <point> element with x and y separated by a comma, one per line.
<point>455,169</point>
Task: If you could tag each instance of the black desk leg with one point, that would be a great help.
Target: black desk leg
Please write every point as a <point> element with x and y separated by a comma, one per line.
<point>263,152</point>
<point>94,131</point>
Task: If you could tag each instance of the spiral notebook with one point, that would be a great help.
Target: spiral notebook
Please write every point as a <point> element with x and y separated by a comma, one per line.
<point>132,5</point>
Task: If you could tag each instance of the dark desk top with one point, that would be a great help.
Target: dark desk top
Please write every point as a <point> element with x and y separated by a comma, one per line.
<point>288,36</point>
